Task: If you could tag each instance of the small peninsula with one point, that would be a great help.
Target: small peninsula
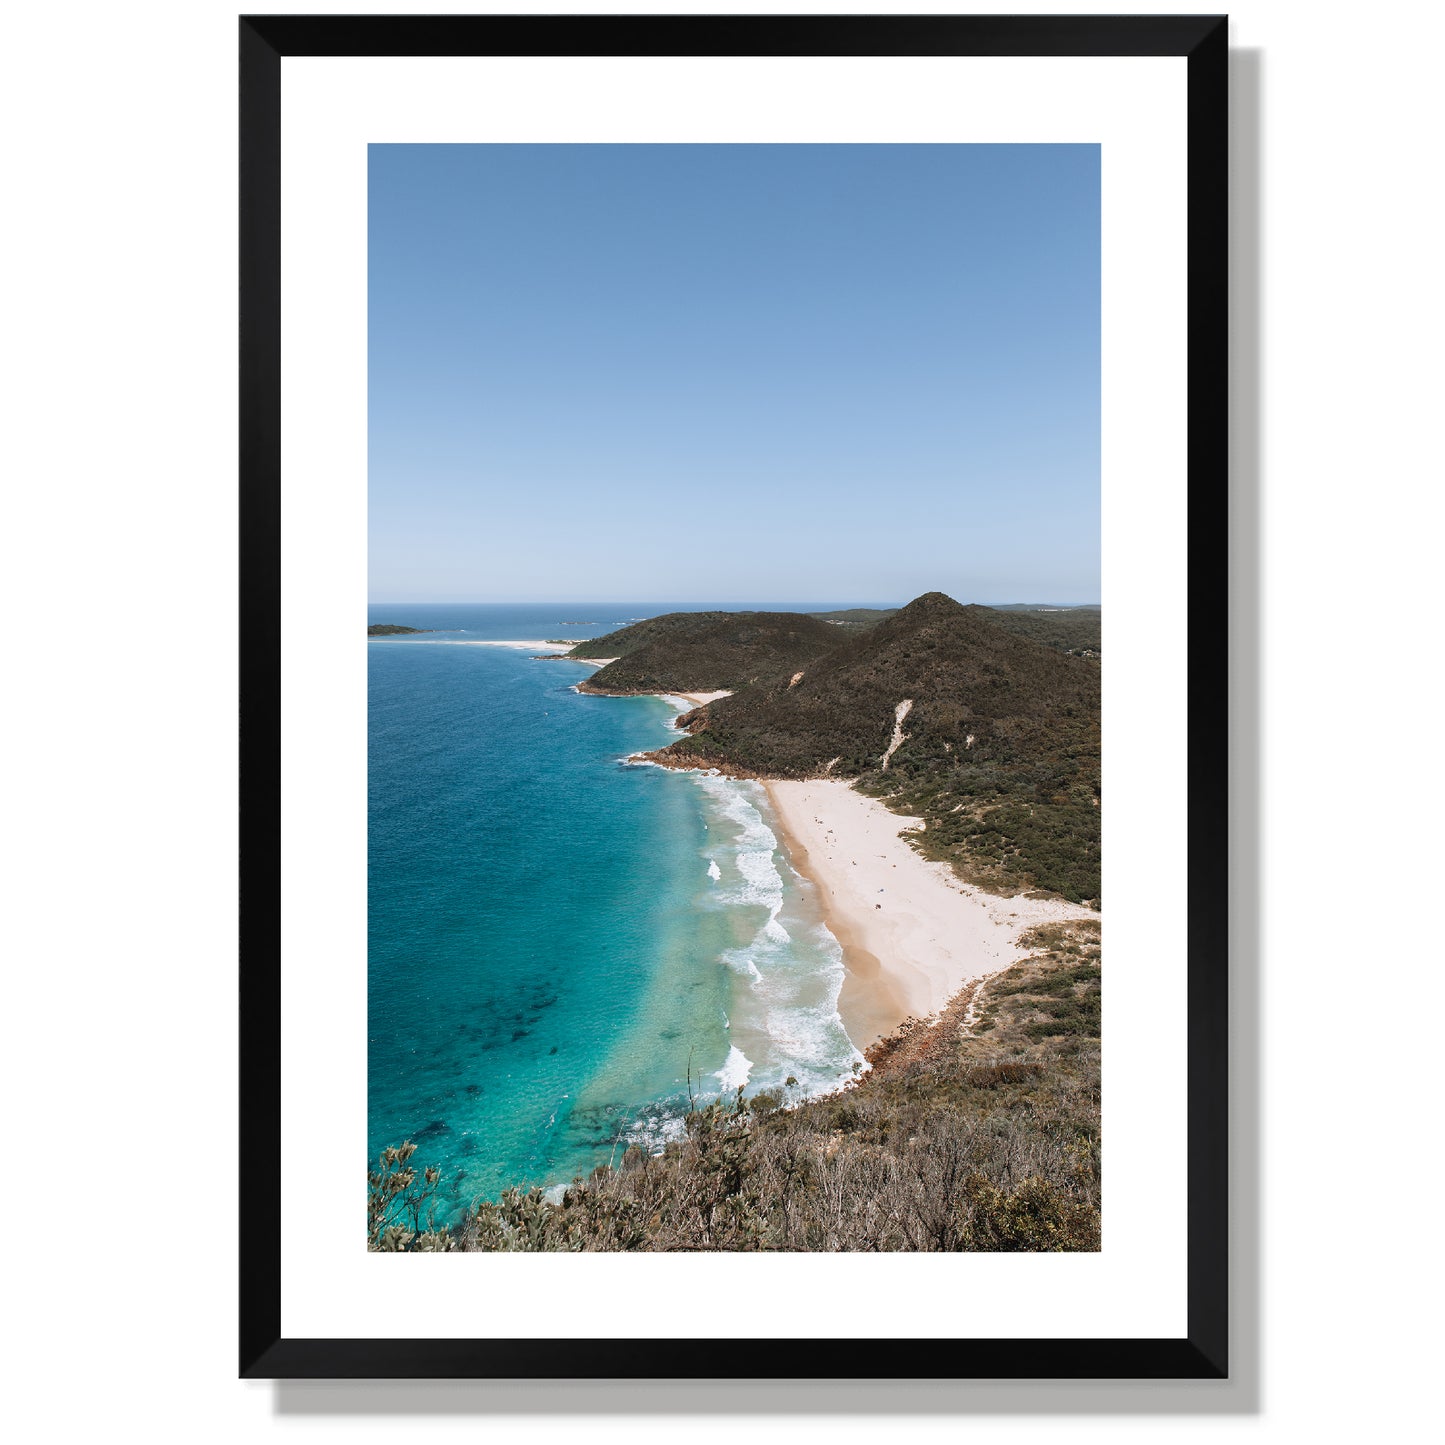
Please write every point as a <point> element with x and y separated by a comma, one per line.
<point>391,629</point>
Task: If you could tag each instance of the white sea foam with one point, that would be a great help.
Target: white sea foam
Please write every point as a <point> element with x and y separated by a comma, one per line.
<point>655,1131</point>
<point>740,961</point>
<point>756,844</point>
<point>785,1004</point>
<point>734,1073</point>
<point>808,1035</point>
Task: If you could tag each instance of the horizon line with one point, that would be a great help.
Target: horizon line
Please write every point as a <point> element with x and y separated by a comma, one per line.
<point>672,601</point>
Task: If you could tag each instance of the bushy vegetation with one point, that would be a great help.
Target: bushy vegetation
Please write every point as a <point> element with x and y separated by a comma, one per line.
<point>1050,845</point>
<point>706,651</point>
<point>400,1215</point>
<point>977,1132</point>
<point>1077,630</point>
<point>391,629</point>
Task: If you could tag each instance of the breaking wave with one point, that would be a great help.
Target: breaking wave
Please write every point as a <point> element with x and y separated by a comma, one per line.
<point>784,1023</point>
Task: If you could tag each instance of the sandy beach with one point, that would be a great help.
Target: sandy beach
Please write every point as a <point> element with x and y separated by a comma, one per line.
<point>539,646</point>
<point>912,933</point>
<point>690,700</point>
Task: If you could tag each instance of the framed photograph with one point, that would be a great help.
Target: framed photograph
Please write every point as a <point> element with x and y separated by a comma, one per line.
<point>688,894</point>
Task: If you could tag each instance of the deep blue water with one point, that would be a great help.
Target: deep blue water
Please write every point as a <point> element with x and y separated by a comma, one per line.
<point>559,941</point>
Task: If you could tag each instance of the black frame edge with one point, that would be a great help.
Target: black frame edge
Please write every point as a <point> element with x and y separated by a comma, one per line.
<point>738,34</point>
<point>260,696</point>
<point>1208,707</point>
<point>677,1359</point>
<point>263,1353</point>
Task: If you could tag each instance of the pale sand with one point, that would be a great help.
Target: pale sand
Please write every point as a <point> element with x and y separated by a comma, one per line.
<point>683,701</point>
<point>553,649</point>
<point>912,934</point>
<point>690,700</point>
<point>543,648</point>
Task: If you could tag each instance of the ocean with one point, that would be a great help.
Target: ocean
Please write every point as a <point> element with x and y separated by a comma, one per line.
<point>565,948</point>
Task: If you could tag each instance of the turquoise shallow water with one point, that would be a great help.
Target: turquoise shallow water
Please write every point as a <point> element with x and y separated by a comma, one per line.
<point>558,940</point>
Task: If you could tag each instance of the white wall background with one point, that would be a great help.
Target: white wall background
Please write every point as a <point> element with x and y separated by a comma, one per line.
<point>119,352</point>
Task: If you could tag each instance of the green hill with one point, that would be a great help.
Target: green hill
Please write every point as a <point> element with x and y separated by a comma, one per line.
<point>999,747</point>
<point>1070,629</point>
<point>706,651</point>
<point>1078,629</point>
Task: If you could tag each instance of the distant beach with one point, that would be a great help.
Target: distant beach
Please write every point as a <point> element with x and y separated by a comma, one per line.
<point>693,699</point>
<point>912,933</point>
<point>541,646</point>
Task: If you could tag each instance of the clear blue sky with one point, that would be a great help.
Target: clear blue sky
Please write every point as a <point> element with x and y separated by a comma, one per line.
<point>734,372</point>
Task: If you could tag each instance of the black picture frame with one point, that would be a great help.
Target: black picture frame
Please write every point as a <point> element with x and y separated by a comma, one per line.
<point>264,41</point>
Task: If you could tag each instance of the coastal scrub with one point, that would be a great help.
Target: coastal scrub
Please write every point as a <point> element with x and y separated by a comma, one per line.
<point>977,1131</point>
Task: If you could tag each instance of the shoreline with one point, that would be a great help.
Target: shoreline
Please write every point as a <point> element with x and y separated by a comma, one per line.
<point>684,702</point>
<point>690,700</point>
<point>544,651</point>
<point>912,934</point>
